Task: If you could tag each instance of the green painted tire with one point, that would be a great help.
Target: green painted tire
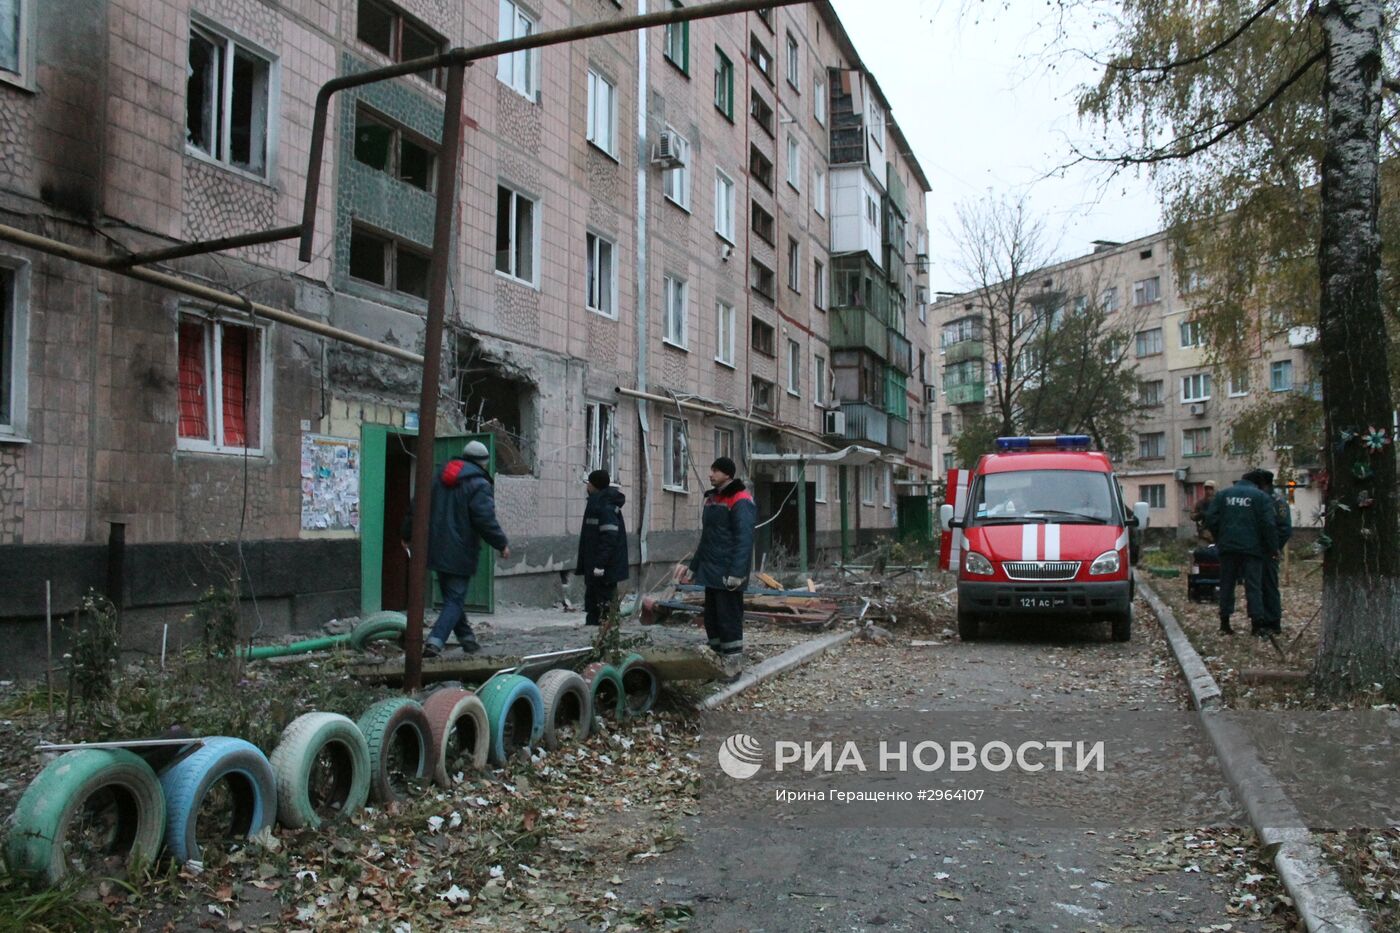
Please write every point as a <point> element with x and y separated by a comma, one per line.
<point>515,713</point>
<point>392,728</point>
<point>379,626</point>
<point>107,796</point>
<point>640,685</point>
<point>294,761</point>
<point>605,691</point>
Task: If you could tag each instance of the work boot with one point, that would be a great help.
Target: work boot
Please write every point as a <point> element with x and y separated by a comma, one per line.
<point>1225,626</point>
<point>431,649</point>
<point>469,644</point>
<point>733,665</point>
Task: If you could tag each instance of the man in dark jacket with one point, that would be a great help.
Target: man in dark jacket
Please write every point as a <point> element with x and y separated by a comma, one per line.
<point>721,563</point>
<point>602,546</point>
<point>1243,521</point>
<point>1273,599</point>
<point>463,515</point>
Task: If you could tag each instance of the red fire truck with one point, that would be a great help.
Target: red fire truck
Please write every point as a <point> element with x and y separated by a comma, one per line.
<point>1039,530</point>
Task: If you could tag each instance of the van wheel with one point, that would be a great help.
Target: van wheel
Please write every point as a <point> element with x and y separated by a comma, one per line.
<point>1123,625</point>
<point>967,625</point>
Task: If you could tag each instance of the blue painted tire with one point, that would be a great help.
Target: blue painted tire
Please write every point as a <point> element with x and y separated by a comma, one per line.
<point>188,781</point>
<point>514,709</point>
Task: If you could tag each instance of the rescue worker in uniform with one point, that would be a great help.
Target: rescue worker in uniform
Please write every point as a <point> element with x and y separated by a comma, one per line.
<point>721,563</point>
<point>1283,520</point>
<point>1243,521</point>
<point>602,546</point>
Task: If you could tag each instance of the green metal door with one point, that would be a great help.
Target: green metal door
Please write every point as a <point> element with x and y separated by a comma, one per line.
<point>915,519</point>
<point>382,446</point>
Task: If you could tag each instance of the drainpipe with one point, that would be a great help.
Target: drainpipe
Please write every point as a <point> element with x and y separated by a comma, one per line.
<point>643,290</point>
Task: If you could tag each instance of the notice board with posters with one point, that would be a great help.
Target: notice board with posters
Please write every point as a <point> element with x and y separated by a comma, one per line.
<point>330,483</point>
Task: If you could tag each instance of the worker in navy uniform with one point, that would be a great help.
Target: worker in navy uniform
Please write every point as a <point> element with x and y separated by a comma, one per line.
<point>602,546</point>
<point>721,563</point>
<point>1273,599</point>
<point>1244,523</point>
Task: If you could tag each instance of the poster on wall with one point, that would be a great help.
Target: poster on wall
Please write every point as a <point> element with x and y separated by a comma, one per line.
<point>330,483</point>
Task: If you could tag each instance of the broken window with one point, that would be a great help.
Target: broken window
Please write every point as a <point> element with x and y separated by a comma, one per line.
<point>500,400</point>
<point>384,145</point>
<point>602,442</point>
<point>724,443</point>
<point>675,454</point>
<point>397,36</point>
<point>761,338</point>
<point>389,263</point>
<point>677,296</point>
<point>515,235</point>
<point>226,107</point>
<point>762,395</point>
<point>221,385</point>
<point>601,276</point>
<point>761,278</point>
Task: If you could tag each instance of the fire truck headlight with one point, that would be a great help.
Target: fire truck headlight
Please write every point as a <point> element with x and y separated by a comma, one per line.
<point>977,564</point>
<point>1107,562</point>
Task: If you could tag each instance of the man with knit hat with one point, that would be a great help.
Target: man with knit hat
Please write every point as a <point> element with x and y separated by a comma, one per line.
<point>721,563</point>
<point>463,514</point>
<point>602,546</point>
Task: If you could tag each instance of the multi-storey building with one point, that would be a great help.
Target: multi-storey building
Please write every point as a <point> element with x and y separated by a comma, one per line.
<point>713,217</point>
<point>1183,437</point>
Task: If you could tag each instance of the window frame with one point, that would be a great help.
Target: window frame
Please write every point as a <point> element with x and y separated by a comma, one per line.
<point>23,75</point>
<point>513,272</point>
<point>794,162</point>
<point>391,246</point>
<point>1151,493</point>
<point>395,54</point>
<point>762,223</point>
<point>724,442</point>
<point>819,191</point>
<point>594,425</point>
<point>762,280</point>
<point>761,172</point>
<point>674,287</point>
<point>596,81</point>
<point>398,135</point>
<point>679,173</point>
<point>726,206</point>
<point>819,300</point>
<point>724,348</point>
<point>793,64</point>
<point>794,368</point>
<point>14,349</point>
<point>758,54</point>
<point>1200,386</point>
<point>1237,383</point>
<point>1274,370</point>
<point>795,267</point>
<point>675,474</point>
<point>670,31</point>
<point>530,57</point>
<point>755,382</point>
<point>819,379</point>
<point>768,346</point>
<point>1145,445</point>
<point>593,245</point>
<point>213,323</point>
<point>762,113</point>
<point>819,100</point>
<point>1159,397</point>
<point>221,114</point>
<point>822,482</point>
<point>1195,434</point>
<point>1139,352</point>
<point>724,84</point>
<point>1141,288</point>
<point>1189,330</point>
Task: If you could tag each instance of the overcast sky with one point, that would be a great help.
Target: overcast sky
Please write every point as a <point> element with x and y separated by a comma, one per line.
<point>984,108</point>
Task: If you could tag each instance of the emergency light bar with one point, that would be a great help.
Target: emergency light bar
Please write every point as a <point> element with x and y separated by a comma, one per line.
<point>1055,441</point>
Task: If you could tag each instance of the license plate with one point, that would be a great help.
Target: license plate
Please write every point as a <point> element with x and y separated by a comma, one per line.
<point>1043,602</point>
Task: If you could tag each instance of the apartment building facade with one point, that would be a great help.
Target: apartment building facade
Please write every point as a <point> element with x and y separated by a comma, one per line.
<point>667,222</point>
<point>1187,407</point>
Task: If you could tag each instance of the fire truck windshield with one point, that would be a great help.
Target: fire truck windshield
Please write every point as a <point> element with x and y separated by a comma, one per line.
<point>1059,496</point>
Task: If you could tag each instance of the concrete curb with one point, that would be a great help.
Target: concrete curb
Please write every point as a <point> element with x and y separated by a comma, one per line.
<point>1317,892</point>
<point>778,664</point>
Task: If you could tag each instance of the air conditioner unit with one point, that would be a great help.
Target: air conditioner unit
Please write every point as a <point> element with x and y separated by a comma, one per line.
<point>1198,409</point>
<point>667,152</point>
<point>930,393</point>
<point>833,422</point>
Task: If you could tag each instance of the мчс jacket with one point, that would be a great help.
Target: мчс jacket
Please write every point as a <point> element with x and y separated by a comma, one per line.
<point>1244,521</point>
<point>602,545</point>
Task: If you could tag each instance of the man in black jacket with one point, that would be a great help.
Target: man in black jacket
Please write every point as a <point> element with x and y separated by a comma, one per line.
<point>1245,527</point>
<point>721,563</point>
<point>602,546</point>
<point>463,514</point>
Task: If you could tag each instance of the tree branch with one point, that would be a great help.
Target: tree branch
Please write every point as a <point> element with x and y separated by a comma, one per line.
<point>1203,55</point>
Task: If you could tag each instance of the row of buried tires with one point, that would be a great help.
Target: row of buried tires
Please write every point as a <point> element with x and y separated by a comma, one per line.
<point>105,811</point>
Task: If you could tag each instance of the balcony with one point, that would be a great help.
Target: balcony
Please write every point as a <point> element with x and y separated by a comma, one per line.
<point>969,393</point>
<point>896,394</point>
<point>899,198</point>
<point>899,434</point>
<point>963,350</point>
<point>866,423</point>
<point>901,352</point>
<point>858,329</point>
<point>894,264</point>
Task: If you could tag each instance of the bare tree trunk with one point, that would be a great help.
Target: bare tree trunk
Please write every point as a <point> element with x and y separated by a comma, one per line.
<point>1361,568</point>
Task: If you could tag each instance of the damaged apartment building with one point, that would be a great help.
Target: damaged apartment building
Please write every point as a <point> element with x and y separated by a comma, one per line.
<point>703,239</point>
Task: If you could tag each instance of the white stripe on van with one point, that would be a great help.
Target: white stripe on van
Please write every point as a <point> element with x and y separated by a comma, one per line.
<point>1028,535</point>
<point>1052,542</point>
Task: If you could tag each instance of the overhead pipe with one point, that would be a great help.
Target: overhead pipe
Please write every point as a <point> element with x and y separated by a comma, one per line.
<point>721,413</point>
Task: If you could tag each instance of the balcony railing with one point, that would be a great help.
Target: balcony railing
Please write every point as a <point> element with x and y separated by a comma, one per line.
<point>848,144</point>
<point>866,423</point>
<point>969,393</point>
<point>897,194</point>
<point>894,264</point>
<point>901,352</point>
<point>858,329</point>
<point>963,350</point>
<point>899,434</point>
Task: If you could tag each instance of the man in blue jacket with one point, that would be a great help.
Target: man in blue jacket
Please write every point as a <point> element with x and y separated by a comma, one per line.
<point>1245,526</point>
<point>721,563</point>
<point>463,515</point>
<point>602,546</point>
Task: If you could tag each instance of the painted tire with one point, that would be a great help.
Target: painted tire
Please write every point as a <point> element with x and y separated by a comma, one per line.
<point>515,712</point>
<point>392,727</point>
<point>640,685</point>
<point>568,707</point>
<point>294,762</point>
<point>458,731</point>
<point>605,691</point>
<point>251,785</point>
<point>379,626</point>
<point>58,807</point>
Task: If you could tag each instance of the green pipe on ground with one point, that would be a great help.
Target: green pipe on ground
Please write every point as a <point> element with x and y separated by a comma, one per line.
<point>296,647</point>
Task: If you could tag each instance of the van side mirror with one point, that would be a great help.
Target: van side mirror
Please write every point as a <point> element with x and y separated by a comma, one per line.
<point>1142,512</point>
<point>945,516</point>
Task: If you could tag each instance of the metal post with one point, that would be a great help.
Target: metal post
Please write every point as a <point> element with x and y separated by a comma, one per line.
<point>845,520</point>
<point>116,563</point>
<point>440,270</point>
<point>802,516</point>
